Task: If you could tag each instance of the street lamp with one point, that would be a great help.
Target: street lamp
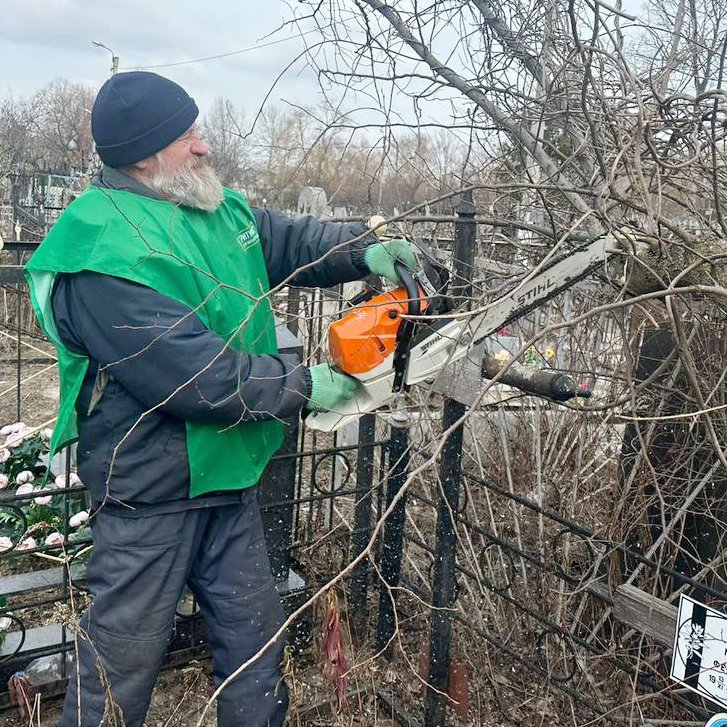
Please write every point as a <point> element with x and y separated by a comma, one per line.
<point>114,57</point>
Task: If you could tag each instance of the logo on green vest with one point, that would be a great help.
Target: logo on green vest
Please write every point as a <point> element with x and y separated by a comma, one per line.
<point>248,237</point>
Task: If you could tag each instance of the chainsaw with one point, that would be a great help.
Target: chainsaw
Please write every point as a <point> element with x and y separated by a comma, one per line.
<point>414,333</point>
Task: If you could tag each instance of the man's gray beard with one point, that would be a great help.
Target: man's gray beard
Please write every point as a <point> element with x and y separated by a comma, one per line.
<point>194,185</point>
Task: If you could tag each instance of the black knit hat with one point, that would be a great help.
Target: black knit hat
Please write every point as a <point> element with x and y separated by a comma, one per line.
<point>137,114</point>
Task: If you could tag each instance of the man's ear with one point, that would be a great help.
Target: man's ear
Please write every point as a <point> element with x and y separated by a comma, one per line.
<point>139,169</point>
<point>142,165</point>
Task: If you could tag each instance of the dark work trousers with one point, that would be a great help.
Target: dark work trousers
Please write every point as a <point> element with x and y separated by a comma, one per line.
<point>137,574</point>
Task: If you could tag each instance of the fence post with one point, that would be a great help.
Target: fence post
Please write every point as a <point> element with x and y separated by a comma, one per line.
<point>444,578</point>
<point>392,545</point>
<point>358,607</point>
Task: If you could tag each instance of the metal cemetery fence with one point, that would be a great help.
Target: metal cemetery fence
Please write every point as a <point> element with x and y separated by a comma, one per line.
<point>485,575</point>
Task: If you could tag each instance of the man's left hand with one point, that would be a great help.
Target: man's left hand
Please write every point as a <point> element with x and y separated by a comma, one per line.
<point>381,256</point>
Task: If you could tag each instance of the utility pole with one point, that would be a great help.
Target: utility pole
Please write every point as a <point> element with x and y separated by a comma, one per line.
<point>114,57</point>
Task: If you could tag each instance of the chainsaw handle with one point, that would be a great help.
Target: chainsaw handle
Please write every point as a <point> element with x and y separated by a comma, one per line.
<point>413,303</point>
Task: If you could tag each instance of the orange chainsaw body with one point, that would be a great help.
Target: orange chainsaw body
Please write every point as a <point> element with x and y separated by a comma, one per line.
<point>365,337</point>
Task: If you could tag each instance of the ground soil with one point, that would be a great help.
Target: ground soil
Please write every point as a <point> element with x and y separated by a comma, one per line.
<point>178,701</point>
<point>182,694</point>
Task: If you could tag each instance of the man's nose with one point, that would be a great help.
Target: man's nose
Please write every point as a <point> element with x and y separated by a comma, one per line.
<point>199,148</point>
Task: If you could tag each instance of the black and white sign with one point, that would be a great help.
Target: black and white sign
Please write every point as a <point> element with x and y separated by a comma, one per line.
<point>700,650</point>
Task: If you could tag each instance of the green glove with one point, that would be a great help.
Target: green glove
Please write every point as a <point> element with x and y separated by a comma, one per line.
<point>329,388</point>
<point>381,256</point>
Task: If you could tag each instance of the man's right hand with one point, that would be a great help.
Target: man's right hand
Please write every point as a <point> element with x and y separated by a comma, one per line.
<point>329,388</point>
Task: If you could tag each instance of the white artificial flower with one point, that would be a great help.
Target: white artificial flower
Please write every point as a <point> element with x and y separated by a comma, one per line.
<point>27,544</point>
<point>5,543</point>
<point>25,489</point>
<point>4,455</point>
<point>16,438</point>
<point>73,481</point>
<point>13,428</point>
<point>24,476</point>
<point>54,540</point>
<point>4,481</point>
<point>47,434</point>
<point>78,519</point>
<point>43,499</point>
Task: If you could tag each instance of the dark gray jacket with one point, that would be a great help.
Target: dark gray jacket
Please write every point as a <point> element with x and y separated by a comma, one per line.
<point>135,453</point>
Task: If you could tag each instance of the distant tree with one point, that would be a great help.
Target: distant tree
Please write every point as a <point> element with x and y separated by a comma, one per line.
<point>15,134</point>
<point>61,127</point>
<point>224,131</point>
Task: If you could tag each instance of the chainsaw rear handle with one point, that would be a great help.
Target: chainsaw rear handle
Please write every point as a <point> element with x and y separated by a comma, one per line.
<point>413,291</point>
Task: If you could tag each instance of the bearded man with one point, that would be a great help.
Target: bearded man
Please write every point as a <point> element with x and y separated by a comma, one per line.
<point>154,287</point>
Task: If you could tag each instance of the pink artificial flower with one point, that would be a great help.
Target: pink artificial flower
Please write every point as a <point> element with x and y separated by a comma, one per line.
<point>13,428</point>
<point>4,455</point>
<point>54,540</point>
<point>43,499</point>
<point>25,489</point>
<point>24,477</point>
<point>27,544</point>
<point>4,481</point>
<point>73,481</point>
<point>17,435</point>
<point>5,543</point>
<point>78,519</point>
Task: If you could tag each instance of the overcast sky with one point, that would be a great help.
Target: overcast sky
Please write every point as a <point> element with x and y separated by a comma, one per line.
<point>41,40</point>
<point>45,39</point>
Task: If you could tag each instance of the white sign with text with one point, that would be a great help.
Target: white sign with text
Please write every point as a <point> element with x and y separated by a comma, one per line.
<point>699,661</point>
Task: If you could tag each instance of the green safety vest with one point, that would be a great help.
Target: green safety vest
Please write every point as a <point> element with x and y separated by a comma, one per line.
<point>211,262</point>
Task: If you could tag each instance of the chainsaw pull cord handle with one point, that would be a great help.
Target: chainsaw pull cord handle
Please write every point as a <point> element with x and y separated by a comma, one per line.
<point>405,334</point>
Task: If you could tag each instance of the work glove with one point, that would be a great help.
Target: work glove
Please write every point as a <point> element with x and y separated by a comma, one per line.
<point>329,388</point>
<point>381,256</point>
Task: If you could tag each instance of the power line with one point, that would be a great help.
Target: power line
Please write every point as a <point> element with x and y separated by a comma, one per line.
<point>219,55</point>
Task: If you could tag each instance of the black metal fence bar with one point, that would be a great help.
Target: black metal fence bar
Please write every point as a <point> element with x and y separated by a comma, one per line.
<point>444,578</point>
<point>362,524</point>
<point>601,540</point>
<point>392,545</point>
<point>444,583</point>
<point>11,275</point>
